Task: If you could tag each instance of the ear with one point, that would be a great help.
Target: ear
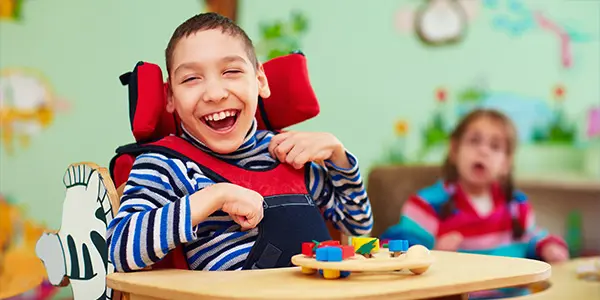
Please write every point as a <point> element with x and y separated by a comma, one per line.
<point>170,102</point>
<point>263,83</point>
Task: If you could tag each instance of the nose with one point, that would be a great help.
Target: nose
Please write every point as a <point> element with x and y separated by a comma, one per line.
<point>484,149</point>
<point>215,91</point>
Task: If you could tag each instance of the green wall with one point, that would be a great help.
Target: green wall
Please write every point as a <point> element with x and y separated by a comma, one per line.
<point>367,74</point>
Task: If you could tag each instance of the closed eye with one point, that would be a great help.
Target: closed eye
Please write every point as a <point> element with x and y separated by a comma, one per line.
<point>232,71</point>
<point>189,79</point>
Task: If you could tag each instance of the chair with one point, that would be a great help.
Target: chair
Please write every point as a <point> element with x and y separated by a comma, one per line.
<point>77,253</point>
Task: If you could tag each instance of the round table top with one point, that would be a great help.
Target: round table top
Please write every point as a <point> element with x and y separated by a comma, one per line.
<point>564,283</point>
<point>20,272</point>
<point>451,273</point>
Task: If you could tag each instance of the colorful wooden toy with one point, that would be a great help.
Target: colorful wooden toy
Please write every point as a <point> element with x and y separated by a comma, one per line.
<point>365,246</point>
<point>397,247</point>
<point>309,248</point>
<point>338,261</point>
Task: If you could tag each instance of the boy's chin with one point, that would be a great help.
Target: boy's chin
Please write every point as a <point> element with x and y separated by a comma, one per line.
<point>224,147</point>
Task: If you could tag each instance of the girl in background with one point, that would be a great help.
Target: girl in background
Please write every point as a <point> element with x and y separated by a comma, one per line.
<point>475,208</point>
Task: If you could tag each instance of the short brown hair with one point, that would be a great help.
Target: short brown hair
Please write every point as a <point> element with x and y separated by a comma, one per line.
<point>450,173</point>
<point>207,21</point>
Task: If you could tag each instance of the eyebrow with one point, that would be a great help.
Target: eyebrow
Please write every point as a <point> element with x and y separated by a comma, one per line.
<point>226,59</point>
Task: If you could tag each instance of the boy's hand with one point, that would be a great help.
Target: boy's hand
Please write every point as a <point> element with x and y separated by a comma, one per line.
<point>449,242</point>
<point>554,253</point>
<point>298,148</point>
<point>245,206</point>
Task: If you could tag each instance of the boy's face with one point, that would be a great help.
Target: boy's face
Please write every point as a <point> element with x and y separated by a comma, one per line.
<point>214,88</point>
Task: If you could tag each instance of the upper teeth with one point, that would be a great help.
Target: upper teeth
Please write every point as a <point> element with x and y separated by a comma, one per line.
<point>220,115</point>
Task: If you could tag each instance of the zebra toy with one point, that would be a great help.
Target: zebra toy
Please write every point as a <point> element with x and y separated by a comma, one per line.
<point>77,254</point>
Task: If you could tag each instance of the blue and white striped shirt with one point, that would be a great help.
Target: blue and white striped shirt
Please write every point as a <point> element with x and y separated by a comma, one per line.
<point>154,216</point>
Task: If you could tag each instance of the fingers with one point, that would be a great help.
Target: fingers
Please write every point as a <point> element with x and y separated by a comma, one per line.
<point>296,150</point>
<point>280,148</point>
<point>297,156</point>
<point>253,220</point>
<point>249,214</point>
<point>276,140</point>
<point>243,222</point>
<point>248,222</point>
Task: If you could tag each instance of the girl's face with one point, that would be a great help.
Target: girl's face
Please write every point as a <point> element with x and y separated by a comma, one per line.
<point>481,155</point>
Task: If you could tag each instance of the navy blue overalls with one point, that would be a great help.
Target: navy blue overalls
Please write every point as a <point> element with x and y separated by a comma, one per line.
<point>291,217</point>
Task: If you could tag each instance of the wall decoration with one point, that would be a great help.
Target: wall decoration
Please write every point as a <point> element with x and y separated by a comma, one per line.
<point>397,151</point>
<point>280,37</point>
<point>592,155</point>
<point>78,254</point>
<point>436,132</point>
<point>28,104</point>
<point>228,8</point>
<point>563,38</point>
<point>22,275</point>
<point>548,137</point>
<point>11,10</point>
<point>593,123</point>
<point>516,21</point>
<point>558,130</point>
<point>519,19</point>
<point>437,22</point>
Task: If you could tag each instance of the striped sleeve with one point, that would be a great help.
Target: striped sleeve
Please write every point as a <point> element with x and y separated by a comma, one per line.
<point>154,215</point>
<point>418,223</point>
<point>536,237</point>
<point>341,194</point>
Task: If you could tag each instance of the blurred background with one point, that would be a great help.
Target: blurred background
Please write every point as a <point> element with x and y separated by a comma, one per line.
<point>390,88</point>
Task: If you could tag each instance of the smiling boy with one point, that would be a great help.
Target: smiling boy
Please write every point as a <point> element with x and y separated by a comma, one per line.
<point>214,81</point>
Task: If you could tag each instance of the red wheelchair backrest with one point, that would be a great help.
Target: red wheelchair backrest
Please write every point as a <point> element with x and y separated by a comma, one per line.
<point>292,101</point>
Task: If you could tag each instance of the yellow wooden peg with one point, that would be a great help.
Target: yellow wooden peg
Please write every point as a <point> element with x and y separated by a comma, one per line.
<point>331,274</point>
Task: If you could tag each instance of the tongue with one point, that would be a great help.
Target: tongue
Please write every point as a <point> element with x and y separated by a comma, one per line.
<point>222,124</point>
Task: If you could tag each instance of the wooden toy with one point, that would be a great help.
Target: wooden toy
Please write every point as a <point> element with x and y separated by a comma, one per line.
<point>337,261</point>
<point>589,271</point>
<point>78,253</point>
<point>397,247</point>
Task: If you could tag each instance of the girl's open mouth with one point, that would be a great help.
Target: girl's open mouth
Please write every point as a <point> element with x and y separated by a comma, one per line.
<point>222,121</point>
<point>478,167</point>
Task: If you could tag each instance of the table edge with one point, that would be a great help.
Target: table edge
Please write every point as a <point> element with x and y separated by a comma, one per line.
<point>409,294</point>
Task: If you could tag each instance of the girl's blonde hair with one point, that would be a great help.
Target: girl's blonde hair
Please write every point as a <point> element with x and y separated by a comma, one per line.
<point>450,172</point>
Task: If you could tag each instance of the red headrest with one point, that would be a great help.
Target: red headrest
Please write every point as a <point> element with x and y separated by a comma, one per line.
<point>292,98</point>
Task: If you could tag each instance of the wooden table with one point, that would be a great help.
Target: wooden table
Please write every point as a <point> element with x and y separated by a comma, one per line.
<point>452,274</point>
<point>564,283</point>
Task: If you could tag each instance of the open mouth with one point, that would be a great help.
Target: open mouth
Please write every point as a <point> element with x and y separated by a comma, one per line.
<point>479,167</point>
<point>222,121</point>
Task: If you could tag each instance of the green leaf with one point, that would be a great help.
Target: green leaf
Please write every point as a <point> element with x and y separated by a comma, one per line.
<point>299,22</point>
<point>471,95</point>
<point>273,31</point>
<point>316,245</point>
<point>367,247</point>
<point>273,53</point>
